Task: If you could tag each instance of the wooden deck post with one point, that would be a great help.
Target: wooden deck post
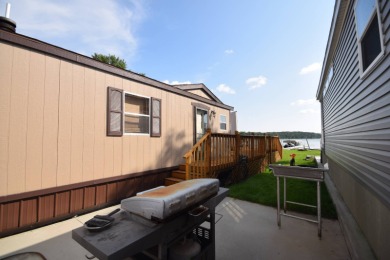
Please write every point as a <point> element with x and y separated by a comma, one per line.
<point>187,168</point>
<point>238,146</point>
<point>208,153</point>
<point>270,149</point>
<point>253,146</point>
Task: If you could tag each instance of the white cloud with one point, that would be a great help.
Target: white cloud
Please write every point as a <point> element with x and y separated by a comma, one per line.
<point>309,111</point>
<point>229,51</point>
<point>105,27</point>
<point>256,82</point>
<point>304,102</point>
<point>311,68</point>
<point>307,106</point>
<point>175,82</point>
<point>225,89</point>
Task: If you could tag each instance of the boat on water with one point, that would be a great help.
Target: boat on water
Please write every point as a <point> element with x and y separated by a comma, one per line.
<point>291,144</point>
<point>300,145</point>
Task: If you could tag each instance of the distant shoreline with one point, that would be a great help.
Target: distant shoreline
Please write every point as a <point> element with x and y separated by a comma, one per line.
<point>287,135</point>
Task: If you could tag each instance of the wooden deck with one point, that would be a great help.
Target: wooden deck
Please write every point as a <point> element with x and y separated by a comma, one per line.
<point>217,152</point>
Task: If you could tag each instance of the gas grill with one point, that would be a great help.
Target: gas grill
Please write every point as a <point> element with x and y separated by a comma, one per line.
<point>154,222</point>
<point>163,203</point>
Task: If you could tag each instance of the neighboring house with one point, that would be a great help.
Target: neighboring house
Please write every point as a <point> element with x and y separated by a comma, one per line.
<point>77,134</point>
<point>354,92</point>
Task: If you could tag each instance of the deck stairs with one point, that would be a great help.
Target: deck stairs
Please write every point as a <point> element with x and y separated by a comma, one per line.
<point>216,152</point>
<point>178,175</point>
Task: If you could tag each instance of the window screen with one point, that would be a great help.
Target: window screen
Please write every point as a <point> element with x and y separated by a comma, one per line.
<point>137,114</point>
<point>114,112</point>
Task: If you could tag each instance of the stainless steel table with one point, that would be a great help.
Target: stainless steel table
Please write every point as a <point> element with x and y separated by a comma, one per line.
<point>303,173</point>
<point>128,235</point>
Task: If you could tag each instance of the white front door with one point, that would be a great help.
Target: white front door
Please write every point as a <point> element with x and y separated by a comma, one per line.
<point>201,123</point>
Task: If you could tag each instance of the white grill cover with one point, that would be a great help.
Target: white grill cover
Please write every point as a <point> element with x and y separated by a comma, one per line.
<point>163,202</point>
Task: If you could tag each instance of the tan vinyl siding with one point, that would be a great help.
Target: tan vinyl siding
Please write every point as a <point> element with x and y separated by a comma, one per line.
<point>18,122</point>
<point>65,124</point>
<point>77,140</point>
<point>35,122</point>
<point>53,132</point>
<point>199,93</point>
<point>6,54</point>
<point>99,125</point>
<point>50,123</point>
<point>89,124</point>
<point>109,142</point>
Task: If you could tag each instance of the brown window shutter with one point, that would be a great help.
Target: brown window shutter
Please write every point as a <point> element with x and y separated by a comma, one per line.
<point>114,112</point>
<point>155,119</point>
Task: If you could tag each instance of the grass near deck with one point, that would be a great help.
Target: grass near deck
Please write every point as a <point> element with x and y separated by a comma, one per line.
<point>261,188</point>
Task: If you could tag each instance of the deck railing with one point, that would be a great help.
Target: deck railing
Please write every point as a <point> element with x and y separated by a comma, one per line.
<point>215,152</point>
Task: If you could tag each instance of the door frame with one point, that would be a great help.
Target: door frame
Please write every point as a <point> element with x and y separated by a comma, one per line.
<point>196,109</point>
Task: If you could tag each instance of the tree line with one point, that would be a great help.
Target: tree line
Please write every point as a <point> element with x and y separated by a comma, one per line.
<point>287,135</point>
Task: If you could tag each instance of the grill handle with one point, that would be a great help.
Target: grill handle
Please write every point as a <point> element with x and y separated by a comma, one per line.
<point>199,211</point>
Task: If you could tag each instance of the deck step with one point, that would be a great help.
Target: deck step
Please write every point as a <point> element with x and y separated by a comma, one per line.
<point>179,174</point>
<point>182,167</point>
<point>172,180</point>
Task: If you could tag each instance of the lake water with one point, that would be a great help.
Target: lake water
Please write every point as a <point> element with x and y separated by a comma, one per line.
<point>313,143</point>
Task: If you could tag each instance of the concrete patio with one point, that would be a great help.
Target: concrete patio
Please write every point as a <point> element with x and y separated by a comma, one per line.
<point>244,230</point>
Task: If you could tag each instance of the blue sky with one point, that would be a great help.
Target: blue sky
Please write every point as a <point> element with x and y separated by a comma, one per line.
<point>262,57</point>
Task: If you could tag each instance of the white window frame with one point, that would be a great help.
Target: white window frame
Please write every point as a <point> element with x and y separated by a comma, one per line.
<point>375,62</point>
<point>135,114</point>
<point>220,122</point>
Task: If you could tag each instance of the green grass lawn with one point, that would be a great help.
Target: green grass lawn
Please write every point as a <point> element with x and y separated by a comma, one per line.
<point>261,188</point>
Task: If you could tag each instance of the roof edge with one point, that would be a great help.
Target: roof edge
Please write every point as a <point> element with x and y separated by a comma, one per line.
<point>61,53</point>
<point>200,86</point>
<point>339,13</point>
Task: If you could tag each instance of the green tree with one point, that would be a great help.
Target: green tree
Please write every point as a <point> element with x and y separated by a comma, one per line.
<point>110,59</point>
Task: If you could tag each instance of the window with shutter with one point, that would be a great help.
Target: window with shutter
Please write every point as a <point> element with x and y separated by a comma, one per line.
<point>156,118</point>
<point>114,112</point>
<point>137,114</point>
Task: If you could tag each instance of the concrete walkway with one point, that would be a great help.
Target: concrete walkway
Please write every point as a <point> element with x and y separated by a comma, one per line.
<point>244,231</point>
<point>249,231</point>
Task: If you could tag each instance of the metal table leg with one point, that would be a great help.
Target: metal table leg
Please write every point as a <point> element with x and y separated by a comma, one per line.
<point>284,195</point>
<point>319,207</point>
<point>278,200</point>
<point>162,251</point>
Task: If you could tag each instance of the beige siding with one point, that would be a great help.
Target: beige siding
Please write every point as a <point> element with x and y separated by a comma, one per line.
<point>35,122</point>
<point>89,124</point>
<point>6,54</point>
<point>126,147</point>
<point>199,93</point>
<point>18,122</point>
<point>77,140</point>
<point>109,141</point>
<point>53,132</point>
<point>65,124</point>
<point>100,125</point>
<point>50,124</point>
